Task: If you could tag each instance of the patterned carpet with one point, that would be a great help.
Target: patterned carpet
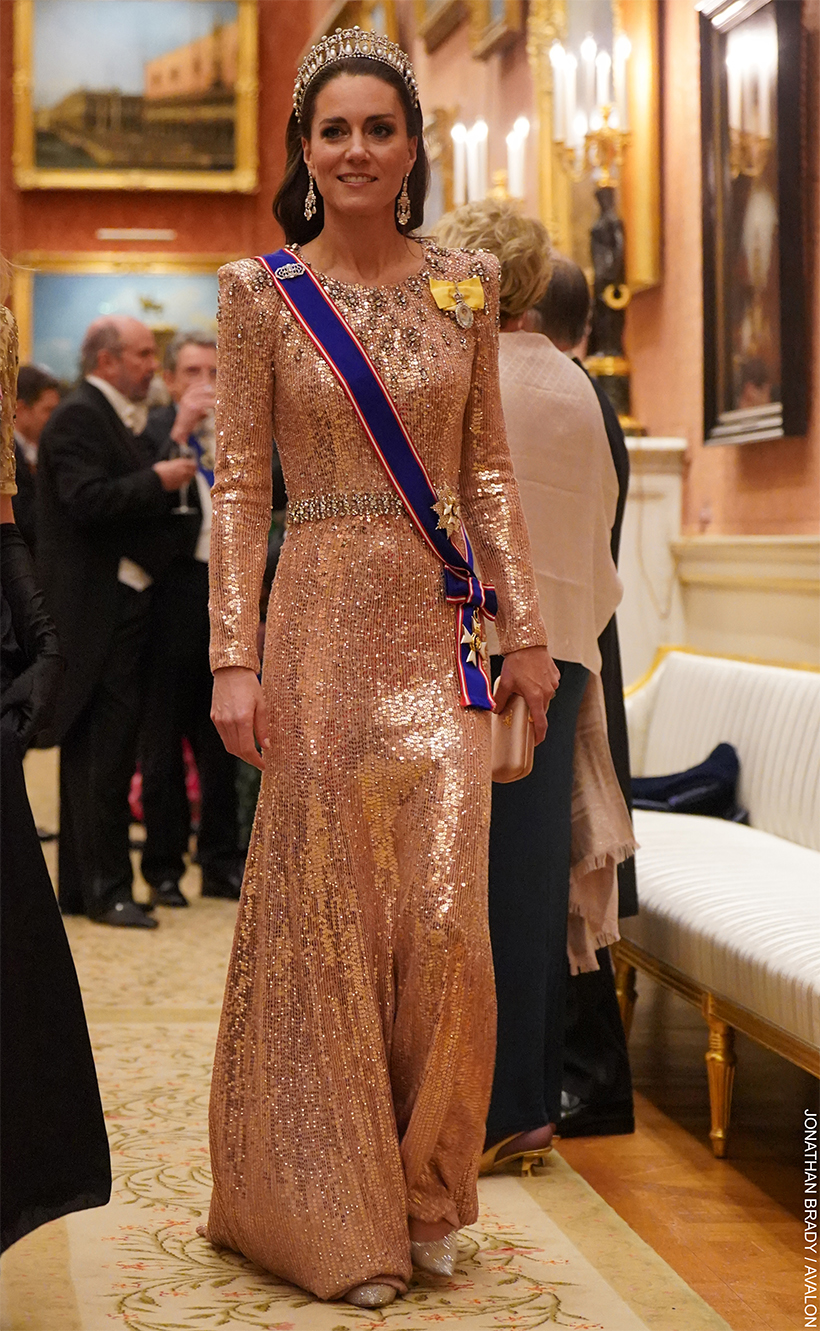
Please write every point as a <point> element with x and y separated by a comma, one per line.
<point>546,1252</point>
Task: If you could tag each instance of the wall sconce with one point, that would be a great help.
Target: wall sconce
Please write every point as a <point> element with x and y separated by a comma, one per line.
<point>590,134</point>
<point>590,124</point>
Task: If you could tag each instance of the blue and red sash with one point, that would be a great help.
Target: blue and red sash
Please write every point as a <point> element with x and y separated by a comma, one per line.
<point>199,453</point>
<point>379,417</point>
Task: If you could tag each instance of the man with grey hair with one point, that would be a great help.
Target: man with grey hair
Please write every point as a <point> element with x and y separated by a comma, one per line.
<point>105,533</point>
<point>178,702</point>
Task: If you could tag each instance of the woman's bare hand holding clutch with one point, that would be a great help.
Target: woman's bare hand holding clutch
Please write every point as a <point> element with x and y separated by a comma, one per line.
<point>238,711</point>
<point>531,672</point>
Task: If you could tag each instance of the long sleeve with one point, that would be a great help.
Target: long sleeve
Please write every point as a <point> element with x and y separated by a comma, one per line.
<point>242,474</point>
<point>490,500</point>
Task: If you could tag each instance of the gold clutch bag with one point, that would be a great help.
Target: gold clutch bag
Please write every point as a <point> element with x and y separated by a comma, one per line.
<point>513,740</point>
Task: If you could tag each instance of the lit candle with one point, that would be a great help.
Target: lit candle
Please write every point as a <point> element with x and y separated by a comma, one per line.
<point>623,50</point>
<point>588,49</point>
<point>459,136</point>
<point>603,65</point>
<point>516,150</point>
<point>748,79</point>
<point>515,165</point>
<point>766,68</point>
<point>471,145</point>
<point>579,128</point>
<point>734,88</point>
<point>558,60</point>
<point>570,78</point>
<point>481,133</point>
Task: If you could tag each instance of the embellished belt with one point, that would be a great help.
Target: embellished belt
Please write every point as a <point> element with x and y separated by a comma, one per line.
<point>316,508</point>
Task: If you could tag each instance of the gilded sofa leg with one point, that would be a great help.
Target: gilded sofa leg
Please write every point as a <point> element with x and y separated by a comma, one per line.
<point>720,1069</point>
<point>626,991</point>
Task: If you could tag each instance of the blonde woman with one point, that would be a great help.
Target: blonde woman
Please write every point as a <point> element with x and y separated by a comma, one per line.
<point>569,493</point>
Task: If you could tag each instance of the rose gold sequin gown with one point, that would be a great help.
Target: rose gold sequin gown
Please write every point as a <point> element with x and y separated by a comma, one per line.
<point>355,1052</point>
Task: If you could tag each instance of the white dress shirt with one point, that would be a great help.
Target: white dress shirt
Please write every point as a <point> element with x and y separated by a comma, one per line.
<point>134,415</point>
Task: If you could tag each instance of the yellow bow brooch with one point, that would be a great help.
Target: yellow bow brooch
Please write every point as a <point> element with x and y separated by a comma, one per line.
<point>459,298</point>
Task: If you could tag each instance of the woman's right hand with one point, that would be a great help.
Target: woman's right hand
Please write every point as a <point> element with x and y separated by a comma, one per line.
<point>238,711</point>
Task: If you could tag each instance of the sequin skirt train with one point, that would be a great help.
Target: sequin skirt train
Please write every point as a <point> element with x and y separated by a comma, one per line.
<point>356,1047</point>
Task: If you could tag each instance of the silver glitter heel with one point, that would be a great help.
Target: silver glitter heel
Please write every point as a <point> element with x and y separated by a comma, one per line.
<point>371,1295</point>
<point>436,1255</point>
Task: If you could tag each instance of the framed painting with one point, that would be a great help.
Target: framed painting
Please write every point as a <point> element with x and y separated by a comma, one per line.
<point>494,24</point>
<point>57,296</point>
<point>135,94</point>
<point>436,19</point>
<point>754,279</point>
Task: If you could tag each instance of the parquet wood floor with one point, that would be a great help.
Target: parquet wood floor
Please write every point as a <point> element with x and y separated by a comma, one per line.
<point>731,1228</point>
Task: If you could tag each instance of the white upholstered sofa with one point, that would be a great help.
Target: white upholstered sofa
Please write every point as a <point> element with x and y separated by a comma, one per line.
<point>730,915</point>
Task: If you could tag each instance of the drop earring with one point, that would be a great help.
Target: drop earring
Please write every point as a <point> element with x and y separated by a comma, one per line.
<point>403,209</point>
<point>310,200</point>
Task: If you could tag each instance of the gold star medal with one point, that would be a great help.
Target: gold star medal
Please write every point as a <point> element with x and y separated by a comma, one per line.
<point>475,641</point>
<point>449,512</point>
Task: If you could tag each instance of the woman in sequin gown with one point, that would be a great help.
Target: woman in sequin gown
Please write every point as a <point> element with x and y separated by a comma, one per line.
<point>355,1053</point>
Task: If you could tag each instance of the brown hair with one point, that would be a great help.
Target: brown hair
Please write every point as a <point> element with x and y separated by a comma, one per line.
<point>32,382</point>
<point>289,204</point>
<point>564,308</point>
<point>101,335</point>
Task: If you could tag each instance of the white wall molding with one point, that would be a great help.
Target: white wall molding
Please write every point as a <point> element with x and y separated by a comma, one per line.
<point>651,611</point>
<point>752,595</point>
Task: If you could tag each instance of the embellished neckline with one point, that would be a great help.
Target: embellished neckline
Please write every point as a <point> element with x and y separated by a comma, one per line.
<point>407,283</point>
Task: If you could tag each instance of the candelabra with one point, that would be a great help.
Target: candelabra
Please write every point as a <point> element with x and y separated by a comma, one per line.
<point>602,149</point>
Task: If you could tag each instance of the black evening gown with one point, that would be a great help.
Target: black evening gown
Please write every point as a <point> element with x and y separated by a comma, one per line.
<point>597,1097</point>
<point>53,1145</point>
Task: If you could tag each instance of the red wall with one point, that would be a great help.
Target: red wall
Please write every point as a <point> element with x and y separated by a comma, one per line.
<point>66,220</point>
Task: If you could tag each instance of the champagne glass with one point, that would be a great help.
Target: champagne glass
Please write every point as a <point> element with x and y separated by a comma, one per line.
<point>183,507</point>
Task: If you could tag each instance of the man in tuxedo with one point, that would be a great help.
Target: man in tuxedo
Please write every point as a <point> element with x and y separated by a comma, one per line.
<point>597,1095</point>
<point>38,394</point>
<point>178,702</point>
<point>105,533</point>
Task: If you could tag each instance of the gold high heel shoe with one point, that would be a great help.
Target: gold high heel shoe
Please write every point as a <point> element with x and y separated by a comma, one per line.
<point>371,1295</point>
<point>438,1256</point>
<point>524,1160</point>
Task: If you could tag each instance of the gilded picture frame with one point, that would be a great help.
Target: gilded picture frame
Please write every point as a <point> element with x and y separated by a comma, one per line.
<point>755,282</point>
<point>56,295</point>
<point>436,19</point>
<point>439,143</point>
<point>370,15</point>
<point>190,95</point>
<point>494,25</point>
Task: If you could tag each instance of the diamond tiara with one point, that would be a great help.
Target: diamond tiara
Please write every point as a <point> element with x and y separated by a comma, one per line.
<point>346,44</point>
